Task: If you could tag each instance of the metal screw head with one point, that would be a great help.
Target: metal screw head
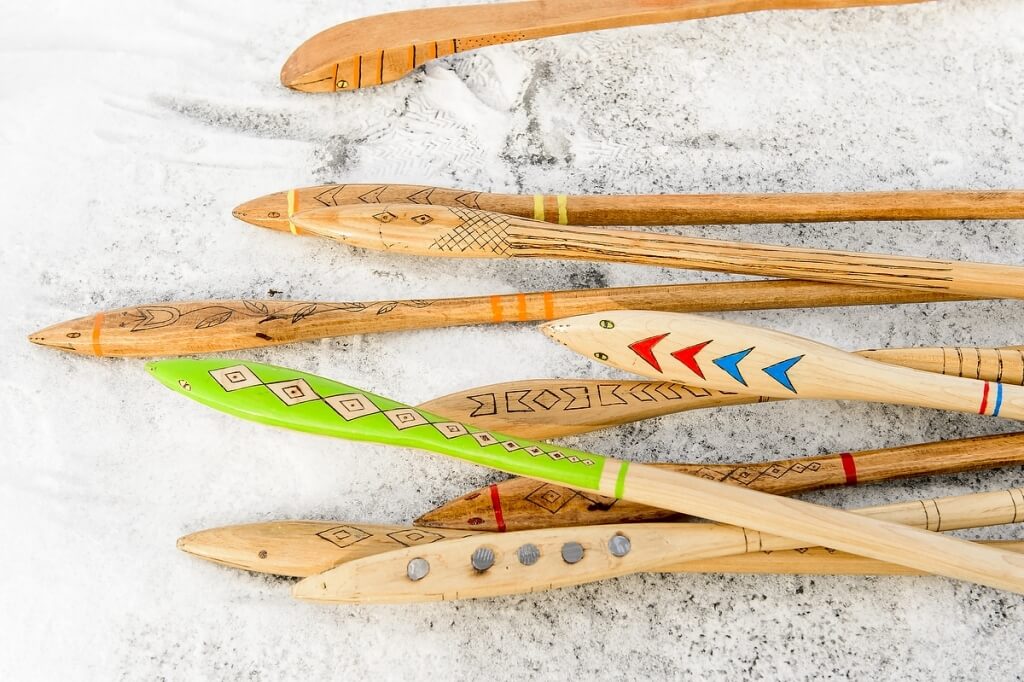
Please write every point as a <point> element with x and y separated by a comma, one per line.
<point>528,554</point>
<point>619,545</point>
<point>482,559</point>
<point>601,356</point>
<point>572,552</point>
<point>607,324</point>
<point>417,569</point>
<point>342,83</point>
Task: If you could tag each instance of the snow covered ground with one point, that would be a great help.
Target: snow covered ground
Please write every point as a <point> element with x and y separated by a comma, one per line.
<point>129,130</point>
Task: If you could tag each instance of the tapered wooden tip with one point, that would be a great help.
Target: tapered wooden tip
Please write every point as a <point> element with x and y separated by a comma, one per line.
<point>356,54</point>
<point>412,228</point>
<point>78,336</point>
<point>290,548</point>
<point>313,66</point>
<point>474,510</point>
<point>270,210</point>
<point>243,547</point>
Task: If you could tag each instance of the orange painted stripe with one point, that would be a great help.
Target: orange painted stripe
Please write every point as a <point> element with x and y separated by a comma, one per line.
<point>293,208</point>
<point>412,57</point>
<point>97,325</point>
<point>357,67</point>
<point>521,307</point>
<point>496,308</point>
<point>549,306</point>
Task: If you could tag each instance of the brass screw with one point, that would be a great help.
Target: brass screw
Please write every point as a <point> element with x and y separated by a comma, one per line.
<point>601,356</point>
<point>343,83</point>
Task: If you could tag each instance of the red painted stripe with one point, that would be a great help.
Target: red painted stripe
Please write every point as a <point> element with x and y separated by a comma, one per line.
<point>984,399</point>
<point>849,468</point>
<point>496,506</point>
<point>97,329</point>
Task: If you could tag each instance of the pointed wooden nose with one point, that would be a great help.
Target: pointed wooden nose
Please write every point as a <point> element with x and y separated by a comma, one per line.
<point>270,211</point>
<point>74,335</point>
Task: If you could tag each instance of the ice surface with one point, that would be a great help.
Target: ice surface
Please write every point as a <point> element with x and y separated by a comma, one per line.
<point>128,131</point>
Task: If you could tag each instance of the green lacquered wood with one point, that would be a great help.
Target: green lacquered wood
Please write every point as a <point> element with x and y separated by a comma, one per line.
<point>262,392</point>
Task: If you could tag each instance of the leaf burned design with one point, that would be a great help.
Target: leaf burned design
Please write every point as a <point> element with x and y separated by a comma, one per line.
<point>215,319</point>
<point>146,318</point>
<point>304,312</point>
<point>256,307</point>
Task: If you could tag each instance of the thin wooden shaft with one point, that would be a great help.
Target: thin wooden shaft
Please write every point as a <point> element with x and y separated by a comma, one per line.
<point>524,504</point>
<point>1003,365</point>
<point>380,49</point>
<point>817,525</point>
<point>549,408</point>
<point>643,547</point>
<point>304,548</point>
<point>617,246</point>
<point>273,210</point>
<point>810,561</point>
<point>716,354</point>
<point>465,233</point>
<point>187,327</point>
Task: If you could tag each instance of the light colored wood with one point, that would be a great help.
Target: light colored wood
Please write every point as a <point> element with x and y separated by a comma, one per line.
<point>300,548</point>
<point>1003,365</point>
<point>720,355</point>
<point>549,408</point>
<point>187,327</point>
<point>294,549</point>
<point>380,49</point>
<point>318,405</point>
<point>525,504</point>
<point>811,561</point>
<point>382,578</point>
<point>467,233</point>
<point>272,210</point>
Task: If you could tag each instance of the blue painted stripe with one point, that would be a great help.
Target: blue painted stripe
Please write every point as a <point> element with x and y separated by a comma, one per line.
<point>999,400</point>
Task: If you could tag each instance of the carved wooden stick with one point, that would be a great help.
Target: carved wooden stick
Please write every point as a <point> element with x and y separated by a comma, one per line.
<point>312,404</point>
<point>536,560</point>
<point>466,233</point>
<point>186,327</point>
<point>720,355</point>
<point>274,210</point>
<point>304,548</point>
<point>524,504</point>
<point>383,48</point>
<point>549,408</point>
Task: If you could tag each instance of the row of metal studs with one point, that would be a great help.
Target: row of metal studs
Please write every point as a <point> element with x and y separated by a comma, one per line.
<point>528,554</point>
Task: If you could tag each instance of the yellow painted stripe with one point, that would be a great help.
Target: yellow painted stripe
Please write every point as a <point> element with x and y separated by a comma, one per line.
<point>293,201</point>
<point>538,207</point>
<point>620,481</point>
<point>563,211</point>
<point>97,326</point>
<point>496,308</point>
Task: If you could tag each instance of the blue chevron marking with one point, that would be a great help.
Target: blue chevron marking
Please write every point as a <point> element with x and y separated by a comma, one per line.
<point>730,364</point>
<point>779,371</point>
